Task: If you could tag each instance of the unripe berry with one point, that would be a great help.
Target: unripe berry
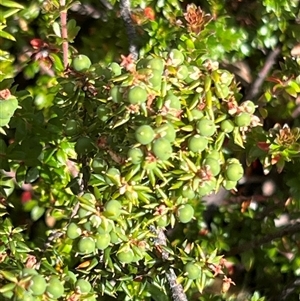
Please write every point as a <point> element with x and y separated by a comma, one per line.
<point>112,209</point>
<point>137,95</point>
<point>144,134</point>
<point>37,285</point>
<point>185,213</point>
<point>192,270</point>
<point>55,288</point>
<point>162,149</point>
<point>242,119</point>
<point>83,286</point>
<point>81,63</point>
<point>73,231</point>
<point>234,172</point>
<point>197,143</point>
<point>86,245</point>
<point>206,127</point>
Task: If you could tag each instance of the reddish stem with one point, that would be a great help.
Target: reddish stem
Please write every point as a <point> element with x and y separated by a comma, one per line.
<point>64,32</point>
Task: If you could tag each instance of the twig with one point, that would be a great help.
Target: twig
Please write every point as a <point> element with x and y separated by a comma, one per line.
<point>178,293</point>
<point>64,32</point>
<point>270,61</point>
<point>288,230</point>
<point>289,290</point>
<point>131,32</point>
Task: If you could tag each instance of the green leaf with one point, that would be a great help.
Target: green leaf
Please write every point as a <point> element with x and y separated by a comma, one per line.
<point>11,4</point>
<point>7,288</point>
<point>56,28</point>
<point>21,173</point>
<point>238,140</point>
<point>7,35</point>
<point>72,30</point>
<point>32,175</point>
<point>9,276</point>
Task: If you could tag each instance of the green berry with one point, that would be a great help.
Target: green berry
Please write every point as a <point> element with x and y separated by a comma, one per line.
<point>248,106</point>
<point>214,154</point>
<point>86,245</point>
<point>162,221</point>
<point>102,241</point>
<point>103,113</point>
<point>234,172</point>
<point>73,231</point>
<point>115,236</point>
<point>228,185</point>
<point>188,192</point>
<point>105,226</point>
<point>71,127</point>
<point>206,188</point>
<point>242,119</point>
<point>142,64</point>
<point>214,166</point>
<point>81,63</point>
<point>137,95</point>
<point>4,121</point>
<point>112,209</point>
<point>156,64</point>
<point>197,143</point>
<point>115,94</point>
<point>172,101</point>
<point>162,149</point>
<point>135,155</point>
<point>126,255</point>
<point>69,88</point>
<point>176,56</point>
<point>227,126</point>
<point>115,68</point>
<point>197,114</point>
<point>182,72</point>
<point>28,271</point>
<point>206,127</point>
<point>84,145</point>
<point>113,176</point>
<point>192,270</point>
<point>55,288</point>
<point>83,286</point>
<point>99,165</point>
<point>155,79</point>
<point>37,285</point>
<point>167,131</point>
<point>185,213</point>
<point>144,134</point>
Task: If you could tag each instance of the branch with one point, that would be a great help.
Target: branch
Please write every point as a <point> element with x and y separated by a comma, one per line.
<point>270,61</point>
<point>178,293</point>
<point>64,32</point>
<point>288,230</point>
<point>131,32</point>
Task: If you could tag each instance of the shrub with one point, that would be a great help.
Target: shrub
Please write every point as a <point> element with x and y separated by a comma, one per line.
<point>103,153</point>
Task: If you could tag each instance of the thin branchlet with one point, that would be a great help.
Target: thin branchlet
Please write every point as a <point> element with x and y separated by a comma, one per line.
<point>178,293</point>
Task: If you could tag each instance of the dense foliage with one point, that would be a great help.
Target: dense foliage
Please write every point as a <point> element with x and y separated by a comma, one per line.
<point>150,156</point>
